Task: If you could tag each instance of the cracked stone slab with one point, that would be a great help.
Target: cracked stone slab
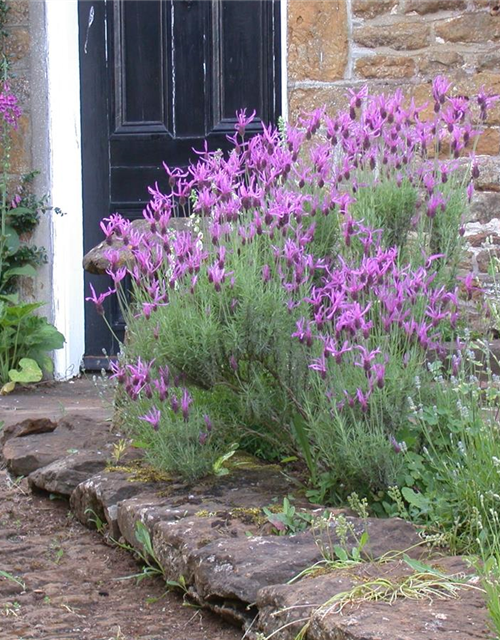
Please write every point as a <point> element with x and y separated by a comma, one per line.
<point>101,494</point>
<point>64,475</point>
<point>27,427</point>
<point>284,610</point>
<point>24,453</point>
<point>237,569</point>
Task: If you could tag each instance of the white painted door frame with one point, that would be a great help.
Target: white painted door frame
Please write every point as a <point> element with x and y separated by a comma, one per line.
<point>65,170</point>
<point>63,72</point>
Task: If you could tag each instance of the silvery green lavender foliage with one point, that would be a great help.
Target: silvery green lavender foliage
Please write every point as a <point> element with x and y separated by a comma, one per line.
<point>294,314</point>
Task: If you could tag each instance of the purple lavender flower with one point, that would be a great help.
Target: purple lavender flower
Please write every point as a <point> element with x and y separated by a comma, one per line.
<point>99,299</point>
<point>440,88</point>
<point>174,403</point>
<point>243,121</point>
<point>186,401</point>
<point>153,417</point>
<point>485,101</point>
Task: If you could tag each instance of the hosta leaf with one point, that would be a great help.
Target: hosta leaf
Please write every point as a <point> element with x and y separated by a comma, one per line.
<point>28,371</point>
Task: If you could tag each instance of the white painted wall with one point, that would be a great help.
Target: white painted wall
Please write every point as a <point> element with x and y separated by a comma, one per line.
<point>65,181</point>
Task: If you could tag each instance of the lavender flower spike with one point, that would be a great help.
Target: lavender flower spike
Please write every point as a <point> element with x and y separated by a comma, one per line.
<point>153,417</point>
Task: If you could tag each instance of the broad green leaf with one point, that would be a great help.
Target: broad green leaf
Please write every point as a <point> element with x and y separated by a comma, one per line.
<point>19,311</point>
<point>45,337</point>
<point>421,567</point>
<point>341,553</point>
<point>26,270</point>
<point>28,371</point>
<point>416,499</point>
<point>363,541</point>
<point>143,536</point>
<point>44,361</point>
<point>19,211</point>
<point>12,241</point>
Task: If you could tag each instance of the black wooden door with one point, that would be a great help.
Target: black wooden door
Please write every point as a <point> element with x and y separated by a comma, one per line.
<point>159,77</point>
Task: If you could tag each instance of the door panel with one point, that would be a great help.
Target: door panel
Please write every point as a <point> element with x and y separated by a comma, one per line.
<point>160,77</point>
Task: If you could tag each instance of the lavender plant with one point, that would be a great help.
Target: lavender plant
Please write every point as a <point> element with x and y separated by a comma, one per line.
<point>295,311</point>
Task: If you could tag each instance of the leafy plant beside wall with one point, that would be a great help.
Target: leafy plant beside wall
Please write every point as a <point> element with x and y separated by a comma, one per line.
<point>25,337</point>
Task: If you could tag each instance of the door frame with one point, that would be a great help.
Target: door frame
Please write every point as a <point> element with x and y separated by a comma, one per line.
<point>65,174</point>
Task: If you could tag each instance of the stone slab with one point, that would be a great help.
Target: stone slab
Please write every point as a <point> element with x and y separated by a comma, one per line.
<point>64,475</point>
<point>73,433</point>
<point>285,609</point>
<point>100,496</point>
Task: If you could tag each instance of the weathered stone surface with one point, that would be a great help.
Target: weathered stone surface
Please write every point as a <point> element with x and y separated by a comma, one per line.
<point>471,85</point>
<point>489,174</point>
<point>27,427</point>
<point>373,8</point>
<point>238,496</point>
<point>484,207</point>
<point>483,241</point>
<point>96,262</point>
<point>18,13</point>
<point>73,433</point>
<point>476,27</point>
<point>176,542</point>
<point>489,61</point>
<point>101,494</point>
<point>317,40</point>
<point>381,66</point>
<point>149,510</point>
<point>64,475</point>
<point>432,6</point>
<point>483,258</point>
<point>402,36</point>
<point>17,44</point>
<point>439,61</point>
<point>405,618</point>
<point>489,142</point>
<point>238,569</point>
<point>307,99</point>
<point>20,153</point>
<point>385,536</point>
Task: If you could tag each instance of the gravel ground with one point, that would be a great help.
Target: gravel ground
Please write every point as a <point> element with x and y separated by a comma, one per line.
<point>70,582</point>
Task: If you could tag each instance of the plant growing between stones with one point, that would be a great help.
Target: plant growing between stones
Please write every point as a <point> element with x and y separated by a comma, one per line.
<point>288,520</point>
<point>151,567</point>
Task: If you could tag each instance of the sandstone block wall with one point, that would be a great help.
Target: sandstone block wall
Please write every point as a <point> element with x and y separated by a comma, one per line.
<point>334,45</point>
<point>16,45</point>
<point>24,44</point>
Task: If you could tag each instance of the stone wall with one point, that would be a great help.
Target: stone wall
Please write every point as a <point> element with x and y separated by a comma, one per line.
<point>334,45</point>
<point>16,45</point>
<point>24,44</point>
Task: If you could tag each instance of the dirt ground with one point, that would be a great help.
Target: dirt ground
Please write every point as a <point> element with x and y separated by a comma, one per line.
<point>72,587</point>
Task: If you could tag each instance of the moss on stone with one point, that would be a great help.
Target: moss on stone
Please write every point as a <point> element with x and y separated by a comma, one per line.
<point>138,471</point>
